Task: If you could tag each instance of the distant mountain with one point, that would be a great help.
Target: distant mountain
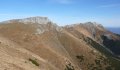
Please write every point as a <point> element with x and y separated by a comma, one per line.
<point>114,30</point>
<point>36,43</point>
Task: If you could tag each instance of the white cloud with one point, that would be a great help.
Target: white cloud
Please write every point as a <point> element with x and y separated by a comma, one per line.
<point>110,5</point>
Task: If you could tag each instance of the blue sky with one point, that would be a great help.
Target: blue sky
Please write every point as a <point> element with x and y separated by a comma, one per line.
<point>63,12</point>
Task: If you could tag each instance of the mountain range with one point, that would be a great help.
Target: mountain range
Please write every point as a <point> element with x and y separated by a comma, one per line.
<point>37,43</point>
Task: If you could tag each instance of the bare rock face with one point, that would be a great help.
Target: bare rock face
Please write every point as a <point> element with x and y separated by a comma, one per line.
<point>93,27</point>
<point>39,20</point>
<point>42,24</point>
<point>90,29</point>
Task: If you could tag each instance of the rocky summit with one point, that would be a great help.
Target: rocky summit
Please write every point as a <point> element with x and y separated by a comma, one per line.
<point>36,43</point>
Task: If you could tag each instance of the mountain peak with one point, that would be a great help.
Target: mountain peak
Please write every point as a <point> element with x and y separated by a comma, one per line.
<point>87,25</point>
<point>93,24</point>
<point>37,19</point>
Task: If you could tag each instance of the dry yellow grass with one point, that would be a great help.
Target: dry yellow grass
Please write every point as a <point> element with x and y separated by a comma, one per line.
<point>53,49</point>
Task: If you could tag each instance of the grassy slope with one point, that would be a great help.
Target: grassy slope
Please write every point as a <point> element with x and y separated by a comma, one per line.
<point>112,58</point>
